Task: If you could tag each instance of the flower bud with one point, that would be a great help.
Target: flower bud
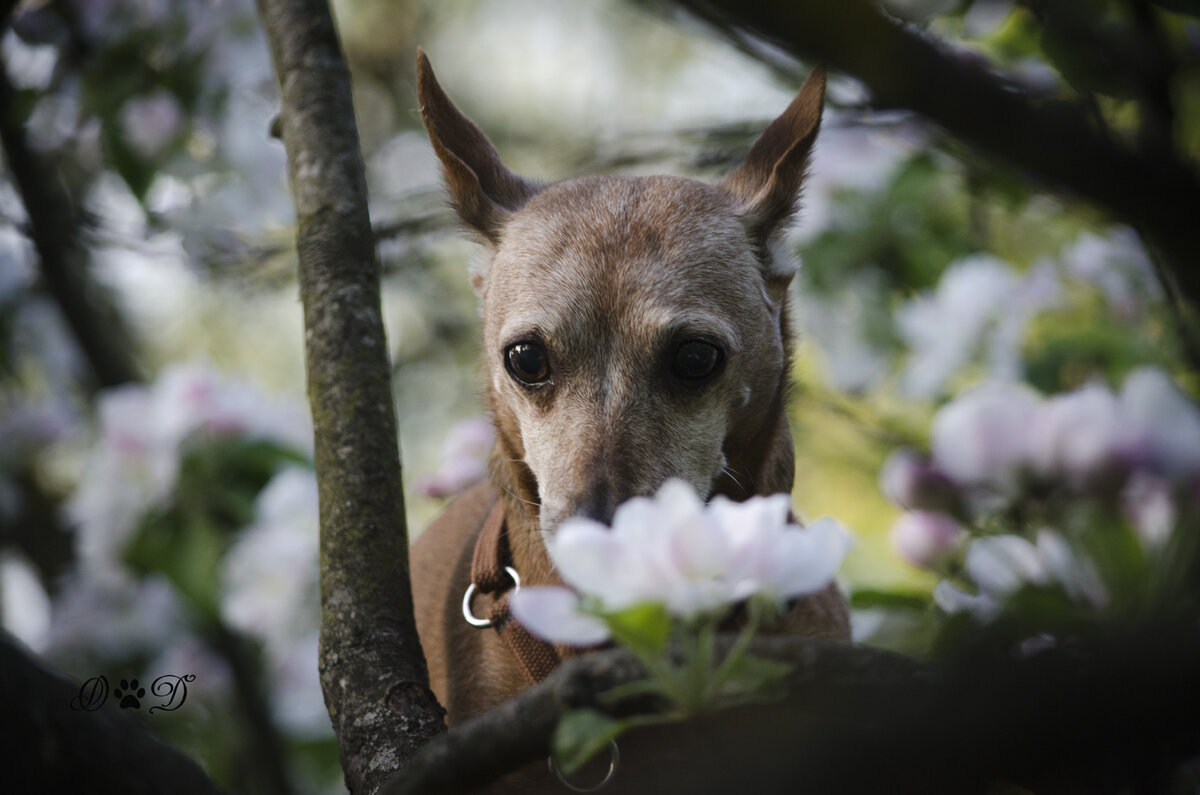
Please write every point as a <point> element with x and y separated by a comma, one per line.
<point>911,481</point>
<point>926,539</point>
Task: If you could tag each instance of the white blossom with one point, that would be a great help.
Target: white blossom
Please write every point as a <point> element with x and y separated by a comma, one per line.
<point>143,429</point>
<point>675,551</point>
<point>269,575</point>
<point>29,66</point>
<point>1148,502</point>
<point>999,566</point>
<point>981,304</point>
<point>24,605</point>
<point>1162,424</point>
<point>1118,266</point>
<point>1075,435</point>
<point>979,438</point>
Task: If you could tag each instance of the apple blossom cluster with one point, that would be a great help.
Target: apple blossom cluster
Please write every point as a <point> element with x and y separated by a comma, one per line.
<point>697,560</point>
<point>143,433</point>
<point>1001,451</point>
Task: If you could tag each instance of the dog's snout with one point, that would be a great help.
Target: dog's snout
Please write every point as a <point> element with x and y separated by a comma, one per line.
<point>599,503</point>
<point>598,507</point>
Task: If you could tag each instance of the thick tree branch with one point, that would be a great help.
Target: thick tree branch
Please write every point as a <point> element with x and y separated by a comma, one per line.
<point>50,747</point>
<point>372,667</point>
<point>1106,715</point>
<point>1051,141</point>
<point>519,732</point>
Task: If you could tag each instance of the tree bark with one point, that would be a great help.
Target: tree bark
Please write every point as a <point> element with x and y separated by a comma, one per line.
<point>372,668</point>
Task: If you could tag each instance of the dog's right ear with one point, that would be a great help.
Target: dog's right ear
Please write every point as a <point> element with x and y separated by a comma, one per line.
<point>484,192</point>
<point>768,183</point>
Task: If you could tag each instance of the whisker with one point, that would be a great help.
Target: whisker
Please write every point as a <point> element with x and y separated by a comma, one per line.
<point>726,470</point>
<point>518,497</point>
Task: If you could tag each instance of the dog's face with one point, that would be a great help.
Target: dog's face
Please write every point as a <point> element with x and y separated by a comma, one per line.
<point>632,326</point>
<point>628,333</point>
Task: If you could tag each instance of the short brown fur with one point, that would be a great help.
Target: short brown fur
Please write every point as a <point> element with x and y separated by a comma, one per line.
<point>608,275</point>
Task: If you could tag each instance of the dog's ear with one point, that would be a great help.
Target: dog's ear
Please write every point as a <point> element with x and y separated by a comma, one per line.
<point>484,192</point>
<point>767,185</point>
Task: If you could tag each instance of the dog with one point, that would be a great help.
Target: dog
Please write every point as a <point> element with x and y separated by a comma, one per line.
<point>635,329</point>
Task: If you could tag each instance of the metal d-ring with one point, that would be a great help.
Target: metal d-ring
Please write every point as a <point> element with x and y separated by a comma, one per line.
<point>484,622</point>
<point>614,761</point>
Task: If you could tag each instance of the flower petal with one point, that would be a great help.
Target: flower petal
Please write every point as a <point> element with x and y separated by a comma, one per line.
<point>1000,565</point>
<point>552,613</point>
<point>587,555</point>
<point>806,560</point>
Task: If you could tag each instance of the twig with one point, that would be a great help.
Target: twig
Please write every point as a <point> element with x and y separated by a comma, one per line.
<point>265,755</point>
<point>63,259</point>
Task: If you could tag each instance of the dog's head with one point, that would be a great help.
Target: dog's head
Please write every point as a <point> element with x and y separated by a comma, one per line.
<point>633,327</point>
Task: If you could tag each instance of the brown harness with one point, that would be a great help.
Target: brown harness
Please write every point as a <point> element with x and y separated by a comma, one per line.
<point>490,574</point>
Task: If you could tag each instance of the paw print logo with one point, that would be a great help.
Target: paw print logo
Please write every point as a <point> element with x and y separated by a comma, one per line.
<point>129,693</point>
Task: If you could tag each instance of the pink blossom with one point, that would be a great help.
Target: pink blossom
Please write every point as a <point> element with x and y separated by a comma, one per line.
<point>926,539</point>
<point>464,458</point>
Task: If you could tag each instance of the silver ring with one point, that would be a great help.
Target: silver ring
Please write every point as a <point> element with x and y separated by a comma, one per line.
<point>613,762</point>
<point>485,622</point>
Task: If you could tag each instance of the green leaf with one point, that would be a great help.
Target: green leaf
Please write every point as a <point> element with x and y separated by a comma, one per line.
<point>644,629</point>
<point>865,598</point>
<point>186,549</point>
<point>750,678</point>
<point>581,734</point>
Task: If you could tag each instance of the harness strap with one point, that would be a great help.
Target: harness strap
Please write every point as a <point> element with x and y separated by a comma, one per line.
<point>493,555</point>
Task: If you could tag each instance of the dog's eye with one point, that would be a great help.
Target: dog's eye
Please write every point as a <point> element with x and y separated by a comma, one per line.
<point>526,362</point>
<point>696,360</point>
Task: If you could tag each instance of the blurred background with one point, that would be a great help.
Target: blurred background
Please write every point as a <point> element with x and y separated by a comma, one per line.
<point>157,504</point>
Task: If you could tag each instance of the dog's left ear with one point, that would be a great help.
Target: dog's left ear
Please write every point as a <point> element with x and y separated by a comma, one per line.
<point>485,193</point>
<point>768,183</point>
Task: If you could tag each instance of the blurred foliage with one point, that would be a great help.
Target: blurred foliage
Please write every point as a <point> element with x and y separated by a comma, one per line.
<point>219,481</point>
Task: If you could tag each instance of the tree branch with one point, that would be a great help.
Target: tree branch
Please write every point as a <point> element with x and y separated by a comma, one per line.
<point>50,747</point>
<point>519,731</point>
<point>63,259</point>
<point>372,667</point>
<point>1103,715</point>
<point>1051,141</point>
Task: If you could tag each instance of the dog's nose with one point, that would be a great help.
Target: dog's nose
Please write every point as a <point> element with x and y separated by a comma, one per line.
<point>598,504</point>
